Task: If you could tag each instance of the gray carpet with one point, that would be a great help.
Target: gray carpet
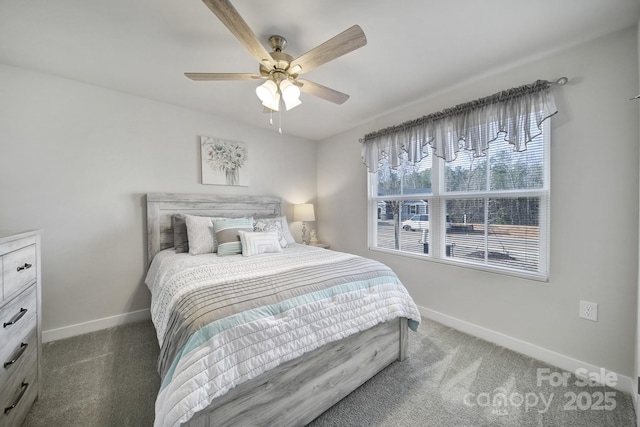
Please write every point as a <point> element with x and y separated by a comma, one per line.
<point>108,378</point>
<point>101,379</point>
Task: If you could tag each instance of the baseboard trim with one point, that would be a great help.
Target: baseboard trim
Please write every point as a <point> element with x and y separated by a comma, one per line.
<point>562,361</point>
<point>634,386</point>
<point>95,325</point>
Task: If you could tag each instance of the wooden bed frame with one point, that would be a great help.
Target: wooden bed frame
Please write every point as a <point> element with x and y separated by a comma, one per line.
<point>297,391</point>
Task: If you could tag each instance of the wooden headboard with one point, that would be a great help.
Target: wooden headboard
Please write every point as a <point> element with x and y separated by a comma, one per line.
<point>160,207</point>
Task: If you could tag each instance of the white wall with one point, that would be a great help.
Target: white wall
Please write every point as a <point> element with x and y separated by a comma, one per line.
<point>594,211</point>
<point>76,161</point>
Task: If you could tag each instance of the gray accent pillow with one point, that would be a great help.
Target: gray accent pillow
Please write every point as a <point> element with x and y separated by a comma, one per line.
<point>180,239</point>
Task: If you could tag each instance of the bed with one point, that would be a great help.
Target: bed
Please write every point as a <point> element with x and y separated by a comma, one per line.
<point>283,361</point>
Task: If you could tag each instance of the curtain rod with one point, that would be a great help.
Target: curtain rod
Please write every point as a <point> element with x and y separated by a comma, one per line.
<point>504,95</point>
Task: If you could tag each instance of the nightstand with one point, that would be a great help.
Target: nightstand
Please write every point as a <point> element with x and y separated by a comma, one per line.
<point>319,245</point>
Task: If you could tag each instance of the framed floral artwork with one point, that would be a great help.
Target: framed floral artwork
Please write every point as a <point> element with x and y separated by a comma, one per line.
<point>224,162</point>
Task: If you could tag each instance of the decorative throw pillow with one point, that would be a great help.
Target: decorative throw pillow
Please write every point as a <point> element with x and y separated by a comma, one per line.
<point>284,228</point>
<point>200,234</point>
<point>180,239</point>
<point>254,243</point>
<point>226,231</point>
<point>271,225</point>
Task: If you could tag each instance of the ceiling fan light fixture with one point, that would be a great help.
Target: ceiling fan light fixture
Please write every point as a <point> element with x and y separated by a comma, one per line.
<point>290,94</point>
<point>291,103</point>
<point>274,103</point>
<point>267,91</point>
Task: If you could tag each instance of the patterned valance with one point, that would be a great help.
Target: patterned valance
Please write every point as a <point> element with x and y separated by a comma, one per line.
<point>517,112</point>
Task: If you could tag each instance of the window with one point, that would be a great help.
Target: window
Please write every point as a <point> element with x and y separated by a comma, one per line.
<point>488,212</point>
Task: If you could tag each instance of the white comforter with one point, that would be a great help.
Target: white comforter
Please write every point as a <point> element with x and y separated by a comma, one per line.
<point>226,354</point>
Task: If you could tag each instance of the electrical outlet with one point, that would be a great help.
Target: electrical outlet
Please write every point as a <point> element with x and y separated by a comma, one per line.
<point>589,310</point>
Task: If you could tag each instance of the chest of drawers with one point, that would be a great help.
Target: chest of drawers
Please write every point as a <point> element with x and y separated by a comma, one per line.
<point>20,333</point>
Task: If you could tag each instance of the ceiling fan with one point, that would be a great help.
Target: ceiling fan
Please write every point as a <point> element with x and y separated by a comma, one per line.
<point>280,70</point>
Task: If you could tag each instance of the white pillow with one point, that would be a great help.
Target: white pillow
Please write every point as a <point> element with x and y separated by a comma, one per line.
<point>254,243</point>
<point>278,224</point>
<point>272,225</point>
<point>286,231</point>
<point>200,234</point>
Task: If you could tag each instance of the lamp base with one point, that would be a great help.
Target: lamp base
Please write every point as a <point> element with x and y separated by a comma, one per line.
<point>304,233</point>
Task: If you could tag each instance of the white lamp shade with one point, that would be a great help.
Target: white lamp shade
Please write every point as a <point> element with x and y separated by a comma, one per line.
<point>289,90</point>
<point>291,103</point>
<point>290,94</point>
<point>303,212</point>
<point>274,103</point>
<point>267,91</point>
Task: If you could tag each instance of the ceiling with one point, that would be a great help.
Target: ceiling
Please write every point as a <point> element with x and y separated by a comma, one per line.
<point>415,47</point>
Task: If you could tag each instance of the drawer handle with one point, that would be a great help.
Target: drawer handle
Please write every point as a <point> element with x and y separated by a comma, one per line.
<point>24,389</point>
<point>23,347</point>
<point>17,317</point>
<point>24,267</point>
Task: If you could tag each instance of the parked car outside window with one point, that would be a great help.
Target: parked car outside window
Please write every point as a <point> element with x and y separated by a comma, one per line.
<point>416,222</point>
<point>420,222</point>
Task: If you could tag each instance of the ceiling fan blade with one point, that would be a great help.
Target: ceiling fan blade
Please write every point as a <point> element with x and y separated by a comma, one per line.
<point>322,91</point>
<point>343,43</point>
<point>230,17</point>
<point>223,76</point>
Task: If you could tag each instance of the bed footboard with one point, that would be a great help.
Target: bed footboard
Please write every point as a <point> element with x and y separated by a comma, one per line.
<point>298,391</point>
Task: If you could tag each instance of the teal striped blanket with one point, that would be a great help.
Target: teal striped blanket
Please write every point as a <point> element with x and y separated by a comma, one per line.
<point>223,320</point>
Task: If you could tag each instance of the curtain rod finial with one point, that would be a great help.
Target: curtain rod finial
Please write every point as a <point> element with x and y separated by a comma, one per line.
<point>562,81</point>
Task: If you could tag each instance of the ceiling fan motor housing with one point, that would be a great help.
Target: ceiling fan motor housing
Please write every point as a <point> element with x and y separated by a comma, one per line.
<point>278,43</point>
<point>282,60</point>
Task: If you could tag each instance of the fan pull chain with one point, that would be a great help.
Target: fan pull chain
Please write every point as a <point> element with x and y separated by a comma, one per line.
<point>279,118</point>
